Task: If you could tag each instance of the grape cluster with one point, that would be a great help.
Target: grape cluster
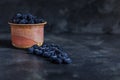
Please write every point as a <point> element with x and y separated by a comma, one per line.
<point>51,51</point>
<point>27,18</point>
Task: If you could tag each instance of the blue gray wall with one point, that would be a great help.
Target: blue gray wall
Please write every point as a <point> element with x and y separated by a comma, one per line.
<point>67,16</point>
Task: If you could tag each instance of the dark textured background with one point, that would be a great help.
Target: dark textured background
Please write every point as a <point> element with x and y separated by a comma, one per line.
<point>95,57</point>
<point>67,16</point>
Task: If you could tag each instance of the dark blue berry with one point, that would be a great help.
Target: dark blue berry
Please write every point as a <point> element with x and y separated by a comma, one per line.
<point>15,20</point>
<point>30,50</point>
<point>26,19</point>
<point>59,56</point>
<point>57,51</point>
<point>53,52</point>
<point>36,20</point>
<point>53,58</point>
<point>38,52</point>
<point>23,21</point>
<point>24,16</point>
<point>40,48</point>
<point>47,49</point>
<point>30,16</point>
<point>46,54</point>
<point>39,21</point>
<point>18,15</point>
<point>35,46</point>
<point>31,22</point>
<point>43,49</point>
<point>45,45</point>
<point>67,61</point>
<point>64,54</point>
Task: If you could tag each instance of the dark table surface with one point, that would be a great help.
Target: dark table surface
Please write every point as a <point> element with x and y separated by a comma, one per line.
<point>95,57</point>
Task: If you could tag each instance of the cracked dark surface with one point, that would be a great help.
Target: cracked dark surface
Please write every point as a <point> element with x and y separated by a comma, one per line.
<point>95,57</point>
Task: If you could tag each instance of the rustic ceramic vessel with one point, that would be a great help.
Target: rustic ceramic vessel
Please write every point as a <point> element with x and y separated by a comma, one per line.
<point>27,35</point>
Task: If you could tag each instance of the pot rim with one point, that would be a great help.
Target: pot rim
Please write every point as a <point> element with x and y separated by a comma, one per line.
<point>27,24</point>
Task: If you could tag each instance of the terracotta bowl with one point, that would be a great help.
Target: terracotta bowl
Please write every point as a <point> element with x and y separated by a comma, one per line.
<point>27,35</point>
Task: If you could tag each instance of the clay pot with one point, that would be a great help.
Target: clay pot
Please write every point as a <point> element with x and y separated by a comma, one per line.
<point>27,35</point>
